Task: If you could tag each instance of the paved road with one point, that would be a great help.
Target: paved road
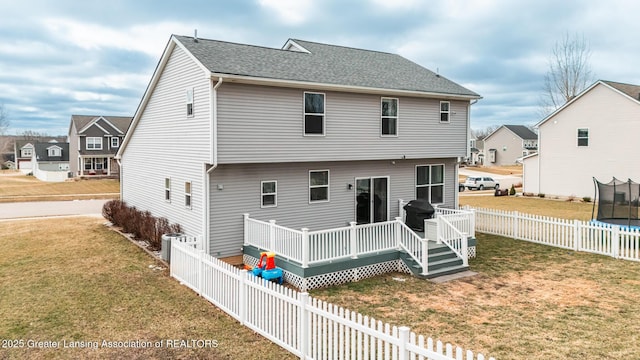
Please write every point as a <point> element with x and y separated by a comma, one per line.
<point>50,208</point>
<point>505,181</point>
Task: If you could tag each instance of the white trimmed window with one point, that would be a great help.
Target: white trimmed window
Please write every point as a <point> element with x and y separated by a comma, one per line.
<point>430,183</point>
<point>115,142</point>
<point>187,194</point>
<point>314,123</point>
<point>95,163</point>
<point>389,115</point>
<point>54,151</point>
<point>445,111</point>
<point>318,186</point>
<point>26,152</point>
<point>190,102</point>
<point>94,143</point>
<point>583,137</point>
<point>269,193</point>
<point>167,189</point>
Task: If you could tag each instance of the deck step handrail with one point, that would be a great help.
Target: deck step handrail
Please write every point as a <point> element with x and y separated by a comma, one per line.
<point>455,239</point>
<point>414,245</point>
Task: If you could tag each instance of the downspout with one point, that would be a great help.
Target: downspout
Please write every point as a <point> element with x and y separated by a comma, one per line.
<point>213,111</point>
<point>120,175</point>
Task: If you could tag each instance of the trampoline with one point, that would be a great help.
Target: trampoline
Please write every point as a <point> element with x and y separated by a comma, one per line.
<point>618,203</point>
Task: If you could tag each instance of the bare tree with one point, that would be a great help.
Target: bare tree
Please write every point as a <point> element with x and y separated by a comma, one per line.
<point>33,135</point>
<point>6,142</point>
<point>4,120</point>
<point>480,134</point>
<point>569,72</point>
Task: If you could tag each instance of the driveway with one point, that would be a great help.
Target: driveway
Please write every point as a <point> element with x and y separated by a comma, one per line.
<point>505,181</point>
<point>19,210</point>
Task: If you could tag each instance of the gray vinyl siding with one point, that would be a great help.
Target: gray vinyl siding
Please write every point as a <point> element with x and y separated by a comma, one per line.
<point>73,149</point>
<point>265,124</point>
<point>240,193</point>
<point>167,143</point>
<point>508,147</point>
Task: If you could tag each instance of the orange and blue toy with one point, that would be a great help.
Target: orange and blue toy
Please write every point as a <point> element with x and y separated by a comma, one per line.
<point>267,269</point>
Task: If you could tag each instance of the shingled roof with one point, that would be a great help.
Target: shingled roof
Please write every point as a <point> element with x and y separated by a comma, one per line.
<point>523,132</point>
<point>120,122</point>
<point>631,90</point>
<point>321,64</point>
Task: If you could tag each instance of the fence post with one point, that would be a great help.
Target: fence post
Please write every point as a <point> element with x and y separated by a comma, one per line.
<point>398,232</point>
<point>577,235</point>
<point>465,249</point>
<point>272,235</point>
<point>246,228</point>
<point>514,226</point>
<point>400,209</point>
<point>438,229</point>
<point>353,240</point>
<point>473,222</point>
<point>305,247</point>
<point>615,241</point>
<point>303,315</point>
<point>425,256</point>
<point>200,270</point>
<point>403,334</point>
<point>242,297</point>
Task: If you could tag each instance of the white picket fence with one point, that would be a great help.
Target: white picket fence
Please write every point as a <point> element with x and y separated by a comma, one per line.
<point>612,240</point>
<point>307,327</point>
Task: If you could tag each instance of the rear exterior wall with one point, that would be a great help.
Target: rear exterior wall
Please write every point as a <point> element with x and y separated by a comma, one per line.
<point>235,190</point>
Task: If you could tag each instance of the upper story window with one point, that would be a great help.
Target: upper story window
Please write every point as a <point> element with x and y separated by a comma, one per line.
<point>189,102</point>
<point>269,193</point>
<point>430,183</point>
<point>313,113</point>
<point>318,185</point>
<point>54,151</point>
<point>167,189</point>
<point>583,137</point>
<point>445,111</point>
<point>187,194</point>
<point>389,116</point>
<point>115,142</point>
<point>94,143</point>
<point>26,152</point>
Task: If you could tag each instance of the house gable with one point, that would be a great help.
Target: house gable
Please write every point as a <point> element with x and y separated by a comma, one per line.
<point>606,121</point>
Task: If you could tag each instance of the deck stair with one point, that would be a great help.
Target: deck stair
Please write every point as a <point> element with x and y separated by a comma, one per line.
<point>442,261</point>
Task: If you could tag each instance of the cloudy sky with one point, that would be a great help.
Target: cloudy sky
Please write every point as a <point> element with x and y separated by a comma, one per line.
<point>64,57</point>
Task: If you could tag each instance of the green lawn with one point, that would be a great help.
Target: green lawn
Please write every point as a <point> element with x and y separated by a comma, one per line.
<point>528,301</point>
<point>532,205</point>
<point>75,280</point>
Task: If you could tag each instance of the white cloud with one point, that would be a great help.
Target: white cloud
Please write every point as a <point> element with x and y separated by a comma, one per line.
<point>291,12</point>
<point>147,38</point>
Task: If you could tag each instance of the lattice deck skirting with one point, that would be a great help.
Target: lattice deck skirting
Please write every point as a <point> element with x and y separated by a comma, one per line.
<point>338,277</point>
<point>343,276</point>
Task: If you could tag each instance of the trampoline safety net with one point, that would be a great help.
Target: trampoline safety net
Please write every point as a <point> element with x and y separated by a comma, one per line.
<point>618,202</point>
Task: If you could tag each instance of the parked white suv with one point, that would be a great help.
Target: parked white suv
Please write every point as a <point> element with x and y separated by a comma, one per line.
<point>480,183</point>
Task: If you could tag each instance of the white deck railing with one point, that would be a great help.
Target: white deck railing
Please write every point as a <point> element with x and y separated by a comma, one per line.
<point>312,247</point>
<point>456,240</point>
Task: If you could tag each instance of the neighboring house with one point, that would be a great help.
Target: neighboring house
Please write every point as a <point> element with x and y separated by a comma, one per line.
<point>94,141</point>
<point>508,144</point>
<point>593,135</point>
<point>8,161</point>
<point>312,135</point>
<point>23,150</point>
<point>50,161</point>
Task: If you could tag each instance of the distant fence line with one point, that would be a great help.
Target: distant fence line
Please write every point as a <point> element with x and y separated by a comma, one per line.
<point>598,238</point>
